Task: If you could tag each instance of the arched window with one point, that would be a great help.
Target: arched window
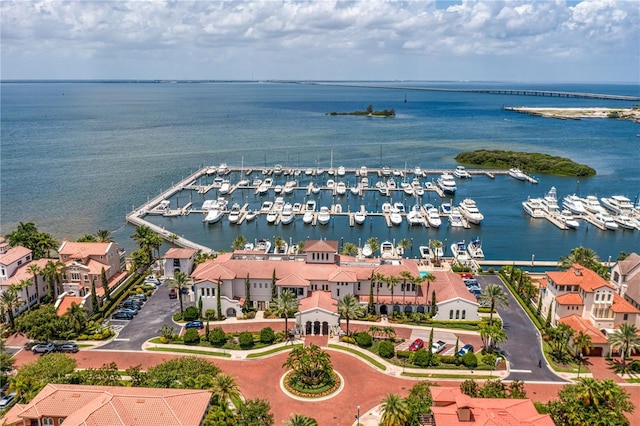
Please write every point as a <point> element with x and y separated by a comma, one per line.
<point>47,421</point>
<point>457,314</point>
<point>464,314</point>
<point>451,314</point>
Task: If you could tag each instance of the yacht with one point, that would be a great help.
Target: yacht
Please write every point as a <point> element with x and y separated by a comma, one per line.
<point>445,208</point>
<point>263,246</point>
<point>363,171</point>
<point>341,188</point>
<point>287,214</point>
<point>533,207</point>
<point>277,170</point>
<point>395,217</point>
<point>407,188</point>
<point>573,203</point>
<point>214,215</point>
<point>455,219</point>
<point>433,217</point>
<point>604,219</point>
<point>308,172</point>
<point>384,191</point>
<point>618,204</point>
<point>315,188</point>
<point>251,214</point>
<point>265,186</point>
<point>386,249</point>
<point>447,184</point>
<point>625,222</point>
<point>461,173</point>
<point>386,207</point>
<point>223,169</point>
<point>399,206</point>
<point>360,216</point>
<point>550,203</point>
<point>225,187</point>
<point>386,171</point>
<point>217,182</point>
<point>391,184</point>
<point>272,216</point>
<point>591,204</point>
<point>425,252</point>
<point>256,182</point>
<point>341,171</point>
<point>289,186</point>
<point>324,216</point>
<point>244,182</point>
<point>417,171</point>
<point>366,250</point>
<point>517,174</point>
<point>277,189</point>
<point>355,190</point>
<point>249,247</point>
<point>297,207</point>
<point>459,251</point>
<point>415,217</point>
<point>234,213</point>
<point>566,217</point>
<point>475,249</point>
<point>470,211</point>
<point>266,206</point>
<point>337,208</point>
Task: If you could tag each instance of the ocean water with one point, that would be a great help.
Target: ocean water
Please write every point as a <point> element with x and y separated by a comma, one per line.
<point>77,157</point>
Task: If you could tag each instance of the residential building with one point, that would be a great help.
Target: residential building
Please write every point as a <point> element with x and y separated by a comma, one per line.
<point>319,277</point>
<point>14,265</point>
<point>179,259</point>
<point>625,277</point>
<point>82,405</point>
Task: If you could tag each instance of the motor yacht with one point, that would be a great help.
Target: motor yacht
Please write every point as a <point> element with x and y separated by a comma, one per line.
<point>566,217</point>
<point>289,186</point>
<point>223,169</point>
<point>415,217</point>
<point>234,213</point>
<point>433,217</point>
<point>517,174</point>
<point>217,182</point>
<point>331,183</point>
<point>341,171</point>
<point>533,207</point>
<point>417,171</point>
<point>591,204</point>
<point>407,188</point>
<point>225,187</point>
<point>214,215</point>
<point>395,217</point>
<point>287,214</point>
<point>604,220</point>
<point>341,188</point>
<point>447,184</point>
<point>625,222</point>
<point>391,184</point>
<point>315,188</point>
<point>470,211</point>
<point>475,249</point>
<point>618,204</point>
<point>277,189</point>
<point>266,206</point>
<point>455,219</point>
<point>272,216</point>
<point>386,207</point>
<point>355,190</point>
<point>550,203</point>
<point>461,173</point>
<point>363,171</point>
<point>445,208</point>
<point>297,207</point>
<point>263,245</point>
<point>251,214</point>
<point>386,171</point>
<point>366,251</point>
<point>573,203</point>
<point>324,216</point>
<point>360,216</point>
<point>425,252</point>
<point>459,251</point>
<point>399,206</point>
<point>386,249</point>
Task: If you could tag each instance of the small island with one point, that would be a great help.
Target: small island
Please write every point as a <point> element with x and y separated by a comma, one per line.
<point>369,112</point>
<point>632,114</point>
<point>529,162</point>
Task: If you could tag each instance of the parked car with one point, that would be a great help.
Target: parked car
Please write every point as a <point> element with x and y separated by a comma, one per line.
<point>416,345</point>
<point>130,304</point>
<point>7,400</point>
<point>437,346</point>
<point>194,324</point>
<point>138,301</point>
<point>140,296</point>
<point>132,311</point>
<point>68,348</point>
<point>152,279</point>
<point>119,315</point>
<point>43,348</point>
<point>466,348</point>
<point>173,294</point>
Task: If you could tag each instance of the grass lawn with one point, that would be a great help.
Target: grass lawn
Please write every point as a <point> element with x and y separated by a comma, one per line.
<point>190,351</point>
<point>273,351</point>
<point>449,376</point>
<point>361,355</point>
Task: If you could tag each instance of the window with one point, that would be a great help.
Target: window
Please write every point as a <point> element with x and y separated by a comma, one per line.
<point>358,285</point>
<point>47,421</point>
<point>60,421</point>
<point>176,263</point>
<point>457,314</point>
<point>75,276</point>
<point>597,296</point>
<point>338,292</point>
<point>19,262</point>
<point>464,314</point>
<point>451,314</point>
<point>609,297</point>
<point>625,317</point>
<point>86,277</point>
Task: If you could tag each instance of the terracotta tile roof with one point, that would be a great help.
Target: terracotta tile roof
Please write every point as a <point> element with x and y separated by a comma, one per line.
<point>570,299</point>
<point>448,285</point>
<point>13,255</point>
<point>83,250</point>
<point>543,283</point>
<point>629,264</point>
<point>343,276</point>
<point>484,411</point>
<point>66,302</point>
<point>113,281</point>
<point>293,280</point>
<point>579,275</point>
<point>578,323</point>
<point>179,253</point>
<point>115,406</point>
<point>321,246</point>
<point>622,306</point>
<point>319,299</point>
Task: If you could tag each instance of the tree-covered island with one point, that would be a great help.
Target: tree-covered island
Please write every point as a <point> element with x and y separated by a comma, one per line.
<point>529,162</point>
<point>369,112</point>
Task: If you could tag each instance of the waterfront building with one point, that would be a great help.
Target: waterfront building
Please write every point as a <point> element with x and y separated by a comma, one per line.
<point>320,277</point>
<point>110,405</point>
<point>586,302</point>
<point>14,264</point>
<point>179,260</point>
<point>625,277</point>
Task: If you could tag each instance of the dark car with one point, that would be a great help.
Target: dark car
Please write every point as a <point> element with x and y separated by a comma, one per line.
<point>465,349</point>
<point>135,300</point>
<point>68,348</point>
<point>43,348</point>
<point>140,296</point>
<point>119,315</point>
<point>416,345</point>
<point>194,324</point>
<point>131,311</point>
<point>130,304</point>
<point>173,294</point>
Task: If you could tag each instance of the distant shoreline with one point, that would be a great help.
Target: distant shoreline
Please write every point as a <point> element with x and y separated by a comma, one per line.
<point>632,114</point>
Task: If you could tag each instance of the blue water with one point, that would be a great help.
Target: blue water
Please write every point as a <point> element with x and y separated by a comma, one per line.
<point>76,157</point>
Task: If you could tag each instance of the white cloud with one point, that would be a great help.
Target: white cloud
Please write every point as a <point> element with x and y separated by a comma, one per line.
<point>395,36</point>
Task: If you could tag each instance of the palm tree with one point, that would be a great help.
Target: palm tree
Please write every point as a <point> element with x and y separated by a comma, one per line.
<point>391,284</point>
<point>24,284</point>
<point>349,249</point>
<point>180,281</point>
<point>77,317</point>
<point>155,241</point>
<point>435,246</point>
<point>141,237</point>
<point>238,243</point>
<point>419,280</point>
<point>379,278</point>
<point>395,411</point>
<point>104,235</point>
<point>582,342</point>
<point>10,301</point>
<point>374,244</point>
<point>225,388</point>
<point>53,274</point>
<point>35,270</point>
<point>300,247</point>
<point>404,244</point>
<point>279,244</point>
<point>46,243</point>
<point>580,255</point>
<point>349,307</point>
<point>300,420</point>
<point>285,304</point>
<point>626,339</point>
<point>495,297</point>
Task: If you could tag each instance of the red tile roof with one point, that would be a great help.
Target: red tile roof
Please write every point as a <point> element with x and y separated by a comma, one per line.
<point>179,253</point>
<point>622,306</point>
<point>13,254</point>
<point>581,276</point>
<point>83,250</point>
<point>570,299</point>
<point>321,246</point>
<point>319,299</point>
<point>66,302</point>
<point>293,280</point>
<point>578,323</point>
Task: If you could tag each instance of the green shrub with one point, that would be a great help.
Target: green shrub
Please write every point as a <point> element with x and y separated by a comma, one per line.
<point>404,354</point>
<point>249,315</point>
<point>191,337</point>
<point>470,360</point>
<point>177,316</point>
<point>83,337</point>
<point>190,314</point>
<point>364,340</point>
<point>386,349</point>
<point>245,339</point>
<point>421,358</point>
<point>267,335</point>
<point>217,337</point>
<point>449,359</point>
<point>347,339</point>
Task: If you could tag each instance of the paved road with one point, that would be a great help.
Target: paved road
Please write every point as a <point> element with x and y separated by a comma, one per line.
<point>523,348</point>
<point>157,311</point>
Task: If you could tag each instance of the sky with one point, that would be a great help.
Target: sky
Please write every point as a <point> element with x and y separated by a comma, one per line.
<point>485,40</point>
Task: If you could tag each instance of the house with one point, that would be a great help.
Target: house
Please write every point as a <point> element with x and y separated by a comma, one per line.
<point>452,407</point>
<point>625,278</point>
<point>179,259</point>
<point>14,268</point>
<point>319,277</point>
<point>587,302</point>
<point>110,405</point>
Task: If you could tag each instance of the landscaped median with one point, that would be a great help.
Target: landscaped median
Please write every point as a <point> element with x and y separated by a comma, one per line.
<point>156,345</point>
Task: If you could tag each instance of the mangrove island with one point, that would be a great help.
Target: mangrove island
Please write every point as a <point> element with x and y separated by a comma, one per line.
<point>369,112</point>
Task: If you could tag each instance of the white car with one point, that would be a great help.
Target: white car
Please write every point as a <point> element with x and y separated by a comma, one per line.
<point>7,400</point>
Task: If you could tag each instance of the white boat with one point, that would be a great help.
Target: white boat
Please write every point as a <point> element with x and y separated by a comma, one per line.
<point>266,206</point>
<point>277,189</point>
<point>428,185</point>
<point>256,182</point>
<point>625,222</point>
<point>324,216</point>
<point>297,207</point>
<point>309,211</point>
<point>308,172</point>
<point>337,208</point>
<point>591,204</point>
<point>475,249</point>
<point>244,182</point>
<point>517,174</point>
<point>331,183</point>
<point>459,251</point>
<point>225,187</point>
<point>284,249</point>
<point>386,171</point>
<point>425,252</point>
<point>208,204</point>
<point>265,186</point>
<point>341,188</point>
<point>399,206</point>
<point>447,183</point>
<point>455,219</point>
<point>407,188</point>
<point>618,204</point>
<point>315,188</point>
<point>287,214</point>
<point>341,171</point>
<point>567,218</point>
<point>277,170</point>
<point>417,171</point>
<point>461,173</point>
<point>272,216</point>
<point>234,213</point>
<point>214,215</point>
<point>573,203</point>
<point>384,191</point>
<point>223,169</point>
<point>433,217</point>
<point>360,216</point>
<point>386,249</point>
<point>415,216</point>
<point>363,171</point>
<point>263,246</point>
<point>470,211</point>
<point>366,251</point>
<point>391,184</point>
<point>212,170</point>
<point>395,217</point>
<point>249,247</point>
<point>355,190</point>
<point>604,219</point>
<point>445,208</point>
<point>251,214</point>
<point>289,186</point>
<point>533,207</point>
<point>386,207</point>
<point>550,202</point>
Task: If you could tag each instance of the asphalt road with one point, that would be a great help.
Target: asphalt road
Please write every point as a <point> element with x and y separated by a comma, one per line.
<point>523,349</point>
<point>157,310</point>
